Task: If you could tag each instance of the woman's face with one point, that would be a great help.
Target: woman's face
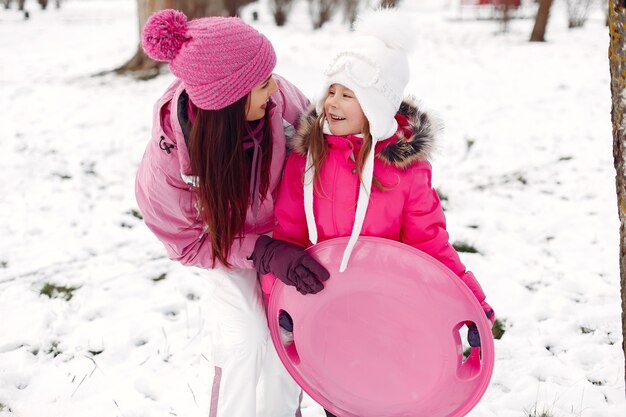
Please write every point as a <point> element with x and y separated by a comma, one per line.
<point>343,111</point>
<point>258,97</point>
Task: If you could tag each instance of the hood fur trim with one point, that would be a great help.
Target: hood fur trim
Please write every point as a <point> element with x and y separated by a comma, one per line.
<point>401,151</point>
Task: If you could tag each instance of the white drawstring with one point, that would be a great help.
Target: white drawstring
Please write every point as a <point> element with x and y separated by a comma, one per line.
<point>362,202</point>
<point>361,207</point>
<point>309,174</point>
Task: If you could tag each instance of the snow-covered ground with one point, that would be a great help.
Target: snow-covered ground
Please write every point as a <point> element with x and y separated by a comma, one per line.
<point>526,166</point>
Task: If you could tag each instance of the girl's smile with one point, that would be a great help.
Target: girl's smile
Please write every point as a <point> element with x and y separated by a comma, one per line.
<point>343,111</point>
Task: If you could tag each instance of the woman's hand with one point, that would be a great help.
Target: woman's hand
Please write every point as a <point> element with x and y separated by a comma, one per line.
<point>289,263</point>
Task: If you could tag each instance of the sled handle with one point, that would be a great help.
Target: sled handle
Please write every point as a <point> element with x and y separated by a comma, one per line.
<point>291,350</point>
<point>470,367</point>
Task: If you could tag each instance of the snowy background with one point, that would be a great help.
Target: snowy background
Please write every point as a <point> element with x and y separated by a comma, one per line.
<point>526,167</point>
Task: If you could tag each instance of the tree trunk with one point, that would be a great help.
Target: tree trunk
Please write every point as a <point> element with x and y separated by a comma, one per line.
<point>233,6</point>
<point>617,63</point>
<point>142,66</point>
<point>541,21</point>
<point>280,10</point>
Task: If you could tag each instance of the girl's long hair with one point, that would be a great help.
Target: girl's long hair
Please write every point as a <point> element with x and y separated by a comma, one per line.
<point>218,159</point>
<point>318,146</point>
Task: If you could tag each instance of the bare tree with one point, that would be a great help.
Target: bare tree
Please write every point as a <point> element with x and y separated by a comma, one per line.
<point>280,10</point>
<point>617,63</point>
<point>502,8</point>
<point>541,21</point>
<point>142,66</point>
<point>350,10</point>
<point>233,6</point>
<point>321,11</point>
<point>20,4</point>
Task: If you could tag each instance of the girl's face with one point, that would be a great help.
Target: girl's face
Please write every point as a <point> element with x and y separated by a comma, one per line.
<point>258,97</point>
<point>343,111</point>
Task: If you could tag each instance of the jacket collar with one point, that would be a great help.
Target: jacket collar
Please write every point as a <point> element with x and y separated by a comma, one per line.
<point>166,114</point>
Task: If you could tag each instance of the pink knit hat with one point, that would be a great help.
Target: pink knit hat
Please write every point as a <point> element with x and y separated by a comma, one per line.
<point>220,59</point>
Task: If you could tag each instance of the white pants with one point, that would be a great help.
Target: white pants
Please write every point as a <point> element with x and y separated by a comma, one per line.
<point>250,380</point>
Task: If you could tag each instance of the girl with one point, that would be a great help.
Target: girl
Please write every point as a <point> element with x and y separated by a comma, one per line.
<point>205,187</point>
<point>360,159</point>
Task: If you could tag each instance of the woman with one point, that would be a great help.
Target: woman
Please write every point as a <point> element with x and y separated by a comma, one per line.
<point>205,187</point>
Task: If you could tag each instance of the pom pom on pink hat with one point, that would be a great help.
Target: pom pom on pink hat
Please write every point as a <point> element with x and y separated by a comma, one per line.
<point>164,35</point>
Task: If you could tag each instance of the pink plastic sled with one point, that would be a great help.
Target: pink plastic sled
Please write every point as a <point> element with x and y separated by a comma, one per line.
<point>382,339</point>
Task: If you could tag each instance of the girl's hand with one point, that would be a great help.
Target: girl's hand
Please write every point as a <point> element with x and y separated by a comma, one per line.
<point>491,315</point>
<point>473,338</point>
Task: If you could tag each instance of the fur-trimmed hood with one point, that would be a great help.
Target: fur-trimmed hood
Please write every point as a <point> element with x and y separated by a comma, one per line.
<point>400,150</point>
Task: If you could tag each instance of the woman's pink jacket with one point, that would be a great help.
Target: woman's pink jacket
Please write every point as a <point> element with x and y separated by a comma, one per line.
<point>163,186</point>
<point>407,210</point>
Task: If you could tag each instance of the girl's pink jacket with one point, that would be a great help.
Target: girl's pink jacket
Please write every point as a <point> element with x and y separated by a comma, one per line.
<point>408,210</point>
<point>163,186</point>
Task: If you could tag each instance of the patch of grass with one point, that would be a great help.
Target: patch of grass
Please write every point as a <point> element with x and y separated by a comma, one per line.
<point>521,178</point>
<point>533,412</point>
<point>543,413</point>
<point>160,277</point>
<point>192,297</point>
<point>473,226</point>
<point>469,143</point>
<point>462,246</point>
<point>4,264</point>
<point>596,382</point>
<point>512,177</point>
<point>586,330</point>
<point>498,329</point>
<point>566,158</point>
<point>467,352</point>
<point>442,196</point>
<point>95,352</point>
<point>4,407</point>
<point>89,168</point>
<point>135,213</point>
<point>125,225</point>
<point>54,349</point>
<point>56,291</point>
<point>62,176</point>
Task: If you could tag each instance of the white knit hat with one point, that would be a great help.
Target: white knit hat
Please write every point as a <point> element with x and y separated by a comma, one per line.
<point>373,64</point>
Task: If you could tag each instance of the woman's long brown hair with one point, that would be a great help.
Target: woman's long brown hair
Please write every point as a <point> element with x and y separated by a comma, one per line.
<point>218,159</point>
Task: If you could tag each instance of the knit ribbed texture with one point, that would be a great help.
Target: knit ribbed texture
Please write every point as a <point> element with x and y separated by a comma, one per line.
<point>221,60</point>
